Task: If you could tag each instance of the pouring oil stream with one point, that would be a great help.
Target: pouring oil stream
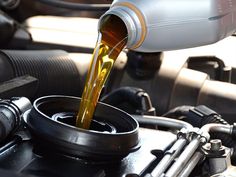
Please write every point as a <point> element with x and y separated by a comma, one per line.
<point>112,38</point>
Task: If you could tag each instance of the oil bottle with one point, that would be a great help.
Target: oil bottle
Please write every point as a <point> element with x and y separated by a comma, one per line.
<point>160,25</point>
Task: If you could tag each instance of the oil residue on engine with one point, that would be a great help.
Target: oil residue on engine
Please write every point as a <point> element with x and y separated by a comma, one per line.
<point>112,39</point>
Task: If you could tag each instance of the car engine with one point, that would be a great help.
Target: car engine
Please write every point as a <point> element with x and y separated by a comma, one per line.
<point>160,114</point>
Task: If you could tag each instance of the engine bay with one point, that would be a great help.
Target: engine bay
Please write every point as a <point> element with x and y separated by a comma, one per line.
<point>162,114</point>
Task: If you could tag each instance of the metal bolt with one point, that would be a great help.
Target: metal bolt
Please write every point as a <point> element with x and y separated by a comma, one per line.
<point>216,144</point>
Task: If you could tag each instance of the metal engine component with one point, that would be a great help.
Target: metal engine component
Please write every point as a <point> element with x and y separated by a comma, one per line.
<point>179,158</point>
<point>11,115</point>
<point>219,159</point>
<point>174,85</point>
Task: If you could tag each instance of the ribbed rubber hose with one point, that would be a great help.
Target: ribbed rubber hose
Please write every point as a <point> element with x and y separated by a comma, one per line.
<point>56,72</point>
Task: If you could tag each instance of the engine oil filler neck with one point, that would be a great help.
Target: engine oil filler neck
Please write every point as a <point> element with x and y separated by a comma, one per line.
<point>112,136</point>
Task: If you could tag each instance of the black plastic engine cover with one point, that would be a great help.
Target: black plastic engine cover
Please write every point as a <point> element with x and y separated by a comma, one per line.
<point>21,158</point>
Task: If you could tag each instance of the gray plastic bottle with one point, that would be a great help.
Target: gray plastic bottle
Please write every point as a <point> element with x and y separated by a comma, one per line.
<point>160,25</point>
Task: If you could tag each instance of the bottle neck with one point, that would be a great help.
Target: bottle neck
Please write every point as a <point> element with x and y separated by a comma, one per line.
<point>135,28</point>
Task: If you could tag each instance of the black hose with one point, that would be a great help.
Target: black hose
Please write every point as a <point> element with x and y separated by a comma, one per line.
<point>56,71</point>
<point>11,115</point>
<point>178,111</point>
<point>121,95</point>
<point>76,6</point>
<point>225,138</point>
<point>135,100</point>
